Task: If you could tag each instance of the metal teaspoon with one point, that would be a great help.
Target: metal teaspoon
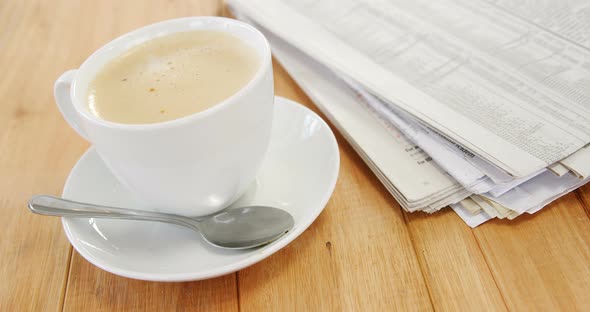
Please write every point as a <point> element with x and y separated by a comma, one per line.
<point>235,228</point>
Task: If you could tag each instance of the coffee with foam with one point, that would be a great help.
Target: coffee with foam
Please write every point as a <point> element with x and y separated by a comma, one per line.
<point>171,77</point>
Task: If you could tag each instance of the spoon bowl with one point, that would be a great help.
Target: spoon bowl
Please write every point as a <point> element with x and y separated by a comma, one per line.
<point>246,226</point>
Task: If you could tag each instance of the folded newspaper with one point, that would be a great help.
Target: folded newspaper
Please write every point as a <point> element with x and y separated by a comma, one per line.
<point>483,106</point>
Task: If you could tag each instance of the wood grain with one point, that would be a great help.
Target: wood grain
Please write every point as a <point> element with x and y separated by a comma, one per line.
<point>362,254</point>
<point>92,289</point>
<point>36,155</point>
<point>583,195</point>
<point>541,262</point>
<point>454,267</point>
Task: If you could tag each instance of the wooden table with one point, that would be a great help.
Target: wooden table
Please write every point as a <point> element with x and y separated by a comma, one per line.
<point>363,252</point>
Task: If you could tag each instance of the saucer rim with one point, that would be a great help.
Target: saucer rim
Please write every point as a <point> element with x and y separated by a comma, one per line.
<point>227,268</point>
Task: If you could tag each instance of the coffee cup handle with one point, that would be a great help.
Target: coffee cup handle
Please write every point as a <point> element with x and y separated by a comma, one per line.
<point>63,98</point>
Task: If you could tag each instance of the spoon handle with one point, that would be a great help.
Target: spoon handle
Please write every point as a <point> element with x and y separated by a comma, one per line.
<point>54,206</point>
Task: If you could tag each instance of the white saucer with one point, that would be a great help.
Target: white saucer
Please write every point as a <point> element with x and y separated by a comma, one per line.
<point>298,175</point>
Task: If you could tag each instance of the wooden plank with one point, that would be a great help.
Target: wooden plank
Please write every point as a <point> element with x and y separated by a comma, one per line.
<point>541,262</point>
<point>356,256</point>
<point>35,253</point>
<point>584,196</point>
<point>91,289</point>
<point>455,270</point>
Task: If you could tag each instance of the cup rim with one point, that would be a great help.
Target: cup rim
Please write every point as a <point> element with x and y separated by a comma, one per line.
<point>221,105</point>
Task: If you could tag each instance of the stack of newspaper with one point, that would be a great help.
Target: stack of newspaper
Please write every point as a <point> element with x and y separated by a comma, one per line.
<point>483,105</point>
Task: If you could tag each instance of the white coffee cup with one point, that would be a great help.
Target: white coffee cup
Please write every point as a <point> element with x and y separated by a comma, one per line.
<point>194,165</point>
